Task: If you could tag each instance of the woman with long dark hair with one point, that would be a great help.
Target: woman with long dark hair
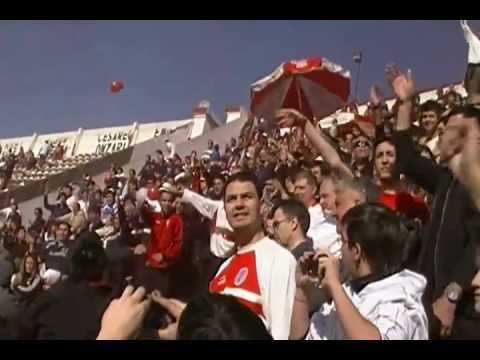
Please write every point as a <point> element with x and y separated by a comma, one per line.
<point>26,284</point>
<point>394,192</point>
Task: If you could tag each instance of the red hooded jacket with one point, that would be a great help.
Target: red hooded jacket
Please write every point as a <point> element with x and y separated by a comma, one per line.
<point>166,238</point>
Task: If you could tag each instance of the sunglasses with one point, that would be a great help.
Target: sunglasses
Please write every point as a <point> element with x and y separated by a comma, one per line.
<point>361,144</point>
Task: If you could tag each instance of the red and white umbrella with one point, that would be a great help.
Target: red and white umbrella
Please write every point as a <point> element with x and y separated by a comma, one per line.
<point>315,86</point>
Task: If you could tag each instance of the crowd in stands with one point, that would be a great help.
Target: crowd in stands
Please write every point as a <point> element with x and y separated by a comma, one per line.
<point>286,231</point>
<point>19,168</point>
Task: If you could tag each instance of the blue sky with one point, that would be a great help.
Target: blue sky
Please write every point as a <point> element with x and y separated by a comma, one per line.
<point>54,75</point>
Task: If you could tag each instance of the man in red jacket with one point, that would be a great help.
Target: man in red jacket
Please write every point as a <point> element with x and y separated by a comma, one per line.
<point>165,245</point>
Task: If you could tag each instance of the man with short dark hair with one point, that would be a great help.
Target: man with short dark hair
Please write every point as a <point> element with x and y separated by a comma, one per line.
<point>165,245</point>
<point>73,309</point>
<point>110,206</point>
<point>447,257</point>
<point>290,225</point>
<point>55,255</point>
<point>60,208</point>
<point>319,170</point>
<point>38,225</point>
<point>261,273</point>
<point>218,187</point>
<point>430,112</point>
<point>380,302</point>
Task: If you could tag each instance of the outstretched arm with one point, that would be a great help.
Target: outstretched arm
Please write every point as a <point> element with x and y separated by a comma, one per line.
<point>290,117</point>
<point>422,171</point>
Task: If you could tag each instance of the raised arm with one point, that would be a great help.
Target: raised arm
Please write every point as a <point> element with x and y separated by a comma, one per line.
<point>203,205</point>
<point>422,171</point>
<point>290,117</point>
<point>376,104</point>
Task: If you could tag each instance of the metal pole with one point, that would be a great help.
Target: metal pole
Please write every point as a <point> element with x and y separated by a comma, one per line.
<point>357,80</point>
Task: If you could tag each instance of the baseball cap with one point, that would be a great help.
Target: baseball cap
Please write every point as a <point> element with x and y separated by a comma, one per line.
<point>167,187</point>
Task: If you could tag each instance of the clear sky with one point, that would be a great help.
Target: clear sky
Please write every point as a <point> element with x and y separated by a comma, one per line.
<point>55,75</point>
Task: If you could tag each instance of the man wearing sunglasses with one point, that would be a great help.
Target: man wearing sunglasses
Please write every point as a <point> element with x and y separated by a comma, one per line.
<point>361,154</point>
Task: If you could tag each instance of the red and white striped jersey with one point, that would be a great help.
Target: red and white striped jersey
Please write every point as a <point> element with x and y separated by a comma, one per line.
<point>262,277</point>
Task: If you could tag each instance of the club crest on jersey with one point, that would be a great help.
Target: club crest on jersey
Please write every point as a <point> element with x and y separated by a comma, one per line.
<point>241,276</point>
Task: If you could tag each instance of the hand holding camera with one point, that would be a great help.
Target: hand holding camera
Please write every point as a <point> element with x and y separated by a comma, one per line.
<point>320,268</point>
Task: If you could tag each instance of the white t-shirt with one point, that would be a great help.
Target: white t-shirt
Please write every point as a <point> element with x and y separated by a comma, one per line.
<point>322,230</point>
<point>393,305</point>
<point>171,149</point>
<point>262,277</point>
<point>220,238</point>
<point>73,199</point>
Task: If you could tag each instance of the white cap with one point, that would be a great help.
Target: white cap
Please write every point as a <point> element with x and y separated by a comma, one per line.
<point>167,187</point>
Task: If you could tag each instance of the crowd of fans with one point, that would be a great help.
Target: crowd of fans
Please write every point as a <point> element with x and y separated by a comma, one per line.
<point>16,164</point>
<point>290,231</point>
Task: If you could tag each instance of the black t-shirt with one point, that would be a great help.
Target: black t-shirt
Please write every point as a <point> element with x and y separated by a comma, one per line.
<point>38,225</point>
<point>301,248</point>
<point>69,310</point>
<point>56,255</point>
<point>365,172</point>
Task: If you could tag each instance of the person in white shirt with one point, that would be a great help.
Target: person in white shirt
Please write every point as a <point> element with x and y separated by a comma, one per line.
<point>44,149</point>
<point>261,273</point>
<point>430,112</point>
<point>221,239</point>
<point>322,230</point>
<point>171,149</point>
<point>381,301</point>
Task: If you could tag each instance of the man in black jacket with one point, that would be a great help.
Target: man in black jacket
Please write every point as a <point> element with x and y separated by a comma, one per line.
<point>10,310</point>
<point>73,309</point>
<point>448,250</point>
<point>59,209</point>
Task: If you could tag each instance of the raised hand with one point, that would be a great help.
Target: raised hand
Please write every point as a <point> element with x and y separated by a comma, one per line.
<point>328,269</point>
<point>401,82</point>
<point>124,316</point>
<point>376,96</point>
<point>289,117</point>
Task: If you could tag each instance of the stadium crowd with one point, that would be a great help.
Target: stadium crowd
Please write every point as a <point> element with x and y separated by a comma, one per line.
<point>370,231</point>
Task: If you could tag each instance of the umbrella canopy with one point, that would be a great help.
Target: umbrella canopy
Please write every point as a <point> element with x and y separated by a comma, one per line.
<point>315,86</point>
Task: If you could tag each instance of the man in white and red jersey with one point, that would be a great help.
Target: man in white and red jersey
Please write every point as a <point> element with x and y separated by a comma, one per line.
<point>260,273</point>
